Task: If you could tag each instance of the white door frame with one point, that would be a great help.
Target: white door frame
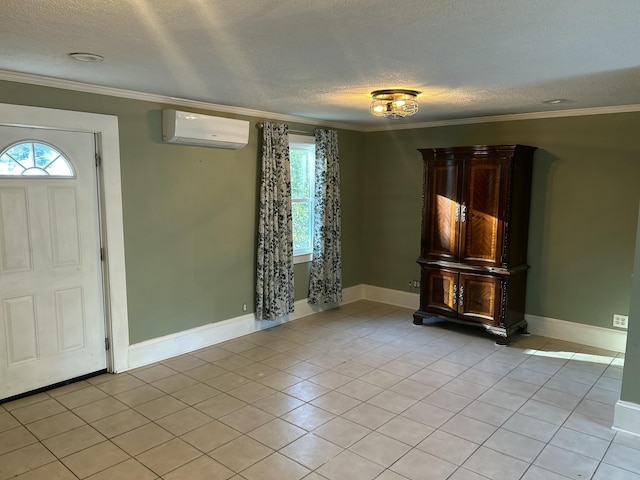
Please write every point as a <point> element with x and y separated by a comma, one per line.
<point>105,128</point>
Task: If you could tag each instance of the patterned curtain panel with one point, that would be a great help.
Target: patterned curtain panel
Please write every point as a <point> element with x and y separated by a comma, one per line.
<point>274,289</point>
<point>325,283</point>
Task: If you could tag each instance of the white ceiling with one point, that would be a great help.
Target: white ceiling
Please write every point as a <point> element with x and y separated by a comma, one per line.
<point>321,59</point>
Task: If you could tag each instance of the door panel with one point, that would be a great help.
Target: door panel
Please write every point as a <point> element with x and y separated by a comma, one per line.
<point>442,210</point>
<point>63,211</point>
<point>70,319</point>
<point>52,325</point>
<point>20,327</point>
<point>482,217</point>
<point>15,236</point>
<point>441,291</point>
<point>478,298</point>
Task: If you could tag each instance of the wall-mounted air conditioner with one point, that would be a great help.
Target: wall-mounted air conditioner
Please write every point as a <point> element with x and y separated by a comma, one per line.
<point>204,130</point>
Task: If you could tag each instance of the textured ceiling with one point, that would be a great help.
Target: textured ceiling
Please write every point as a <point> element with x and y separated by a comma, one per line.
<point>321,59</point>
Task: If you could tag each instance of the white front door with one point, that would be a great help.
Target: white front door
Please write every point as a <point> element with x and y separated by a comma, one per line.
<point>52,323</point>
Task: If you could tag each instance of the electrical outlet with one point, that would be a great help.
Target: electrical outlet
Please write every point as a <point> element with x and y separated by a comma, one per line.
<point>244,307</point>
<point>620,321</point>
<point>416,283</point>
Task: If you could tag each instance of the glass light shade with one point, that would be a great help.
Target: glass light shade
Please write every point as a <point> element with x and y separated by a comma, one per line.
<point>396,103</point>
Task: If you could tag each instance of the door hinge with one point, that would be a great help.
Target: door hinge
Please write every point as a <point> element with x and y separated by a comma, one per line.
<point>107,344</point>
<point>98,159</point>
<point>101,254</point>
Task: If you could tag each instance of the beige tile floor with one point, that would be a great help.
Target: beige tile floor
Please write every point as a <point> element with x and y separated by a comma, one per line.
<point>354,393</point>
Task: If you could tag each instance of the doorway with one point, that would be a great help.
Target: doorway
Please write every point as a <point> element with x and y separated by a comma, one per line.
<point>102,133</point>
<point>52,323</point>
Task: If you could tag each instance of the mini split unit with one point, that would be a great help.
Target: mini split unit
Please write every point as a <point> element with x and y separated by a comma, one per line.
<point>204,130</point>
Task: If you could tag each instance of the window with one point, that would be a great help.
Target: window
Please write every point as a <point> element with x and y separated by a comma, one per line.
<point>302,154</point>
<point>34,159</point>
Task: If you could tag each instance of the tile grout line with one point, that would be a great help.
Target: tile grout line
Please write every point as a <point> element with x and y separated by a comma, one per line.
<point>354,330</point>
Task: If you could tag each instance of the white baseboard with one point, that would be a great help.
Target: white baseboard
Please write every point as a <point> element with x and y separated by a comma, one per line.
<point>162,348</point>
<point>397,298</point>
<point>627,417</point>
<point>599,337</point>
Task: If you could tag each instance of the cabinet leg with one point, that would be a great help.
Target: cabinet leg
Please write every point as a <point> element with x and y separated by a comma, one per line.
<point>417,320</point>
<point>524,329</point>
<point>502,341</point>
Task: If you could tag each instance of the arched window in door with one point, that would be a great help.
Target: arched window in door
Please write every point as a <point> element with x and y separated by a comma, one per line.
<point>29,158</point>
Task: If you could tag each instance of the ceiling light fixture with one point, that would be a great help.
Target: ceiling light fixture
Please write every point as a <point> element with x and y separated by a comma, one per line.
<point>86,57</point>
<point>394,103</point>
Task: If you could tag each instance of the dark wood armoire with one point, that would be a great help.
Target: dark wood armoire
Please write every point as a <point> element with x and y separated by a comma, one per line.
<point>475,223</point>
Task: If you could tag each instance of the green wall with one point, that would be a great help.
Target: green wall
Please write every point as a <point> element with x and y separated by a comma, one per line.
<point>190,215</point>
<point>190,212</point>
<point>583,214</point>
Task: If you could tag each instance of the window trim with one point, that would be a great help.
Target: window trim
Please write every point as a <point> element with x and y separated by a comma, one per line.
<point>305,255</point>
<point>302,258</point>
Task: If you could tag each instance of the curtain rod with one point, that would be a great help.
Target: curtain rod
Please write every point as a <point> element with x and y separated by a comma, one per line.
<point>295,132</point>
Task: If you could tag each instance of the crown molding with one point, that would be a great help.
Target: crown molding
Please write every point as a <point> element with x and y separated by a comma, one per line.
<point>576,112</point>
<point>150,97</point>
